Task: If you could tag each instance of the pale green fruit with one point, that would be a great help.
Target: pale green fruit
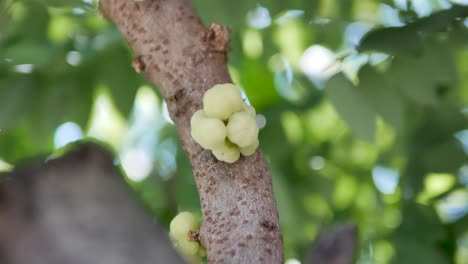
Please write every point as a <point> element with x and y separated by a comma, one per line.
<point>181,225</point>
<point>249,109</point>
<point>187,247</point>
<point>208,132</point>
<point>249,150</point>
<point>242,129</point>
<point>197,116</point>
<point>193,259</point>
<point>228,152</point>
<point>222,101</point>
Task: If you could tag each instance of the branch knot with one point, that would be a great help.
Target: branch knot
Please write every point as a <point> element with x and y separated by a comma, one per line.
<point>217,37</point>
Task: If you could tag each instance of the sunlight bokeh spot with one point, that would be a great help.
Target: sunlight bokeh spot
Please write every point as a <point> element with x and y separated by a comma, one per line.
<point>252,44</point>
<point>289,15</point>
<point>401,4</point>
<point>5,166</point>
<point>383,251</point>
<point>390,16</point>
<point>355,31</point>
<point>106,123</point>
<point>323,122</point>
<point>365,10</point>
<point>437,183</point>
<point>73,58</point>
<point>292,261</point>
<point>377,57</point>
<point>422,7</point>
<point>60,28</point>
<point>78,11</point>
<point>137,164</point>
<point>259,17</point>
<point>385,179</point>
<point>166,163</point>
<point>463,175</point>
<point>165,113</point>
<point>462,136</point>
<point>316,205</point>
<point>292,127</point>
<point>352,64</point>
<point>66,133</point>
<point>316,163</point>
<point>146,102</point>
<point>290,36</point>
<point>363,153</point>
<point>328,8</point>
<point>261,121</point>
<point>318,62</point>
<point>24,68</point>
<point>344,192</point>
<point>453,206</point>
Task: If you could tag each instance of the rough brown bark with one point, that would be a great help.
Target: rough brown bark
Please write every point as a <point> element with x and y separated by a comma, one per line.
<point>184,59</point>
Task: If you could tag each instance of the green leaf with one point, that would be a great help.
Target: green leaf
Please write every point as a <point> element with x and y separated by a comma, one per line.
<point>439,58</point>
<point>16,144</point>
<point>416,85</point>
<point>120,78</point>
<point>383,97</point>
<point>441,20</point>
<point>259,85</point>
<point>352,107</point>
<point>440,125</point>
<point>407,40</point>
<point>444,157</point>
<point>81,109</point>
<point>392,40</point>
<point>16,97</point>
<point>28,53</point>
<point>418,235</point>
<point>412,251</point>
<point>45,119</point>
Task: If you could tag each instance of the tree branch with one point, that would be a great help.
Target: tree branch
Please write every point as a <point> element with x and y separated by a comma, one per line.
<point>335,246</point>
<point>184,59</point>
<point>69,210</point>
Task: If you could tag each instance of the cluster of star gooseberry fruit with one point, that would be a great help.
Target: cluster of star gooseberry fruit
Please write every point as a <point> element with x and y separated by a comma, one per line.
<point>226,125</point>
<point>180,229</point>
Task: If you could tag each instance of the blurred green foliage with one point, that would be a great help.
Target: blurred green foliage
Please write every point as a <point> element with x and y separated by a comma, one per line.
<point>365,104</point>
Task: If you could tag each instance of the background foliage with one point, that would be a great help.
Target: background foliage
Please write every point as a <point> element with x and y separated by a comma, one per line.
<point>365,104</point>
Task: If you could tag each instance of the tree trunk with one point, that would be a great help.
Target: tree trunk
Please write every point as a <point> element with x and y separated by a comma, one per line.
<point>184,59</point>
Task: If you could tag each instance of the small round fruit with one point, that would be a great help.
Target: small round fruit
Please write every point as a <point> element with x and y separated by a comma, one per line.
<point>242,129</point>
<point>181,225</point>
<point>208,132</point>
<point>188,247</point>
<point>228,152</point>
<point>222,101</point>
<point>197,116</point>
<point>249,109</point>
<point>247,151</point>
